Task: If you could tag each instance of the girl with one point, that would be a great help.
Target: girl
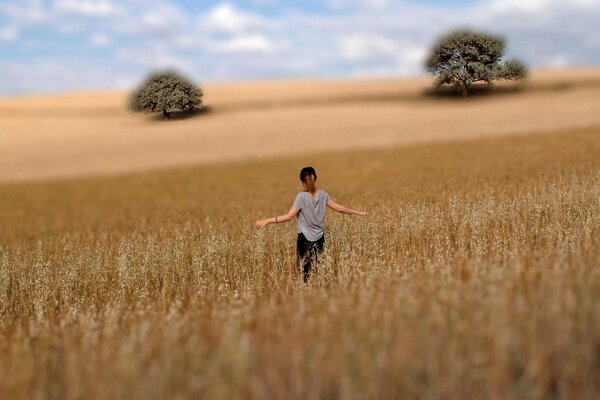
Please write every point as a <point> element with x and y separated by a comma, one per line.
<point>309,207</point>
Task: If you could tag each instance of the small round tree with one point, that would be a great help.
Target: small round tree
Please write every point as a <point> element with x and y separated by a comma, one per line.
<point>464,57</point>
<point>166,92</point>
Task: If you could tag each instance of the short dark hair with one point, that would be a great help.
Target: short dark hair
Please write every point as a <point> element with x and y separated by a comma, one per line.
<point>307,171</point>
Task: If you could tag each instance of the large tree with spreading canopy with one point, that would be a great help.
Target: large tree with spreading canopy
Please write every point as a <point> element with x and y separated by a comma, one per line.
<point>465,56</point>
<point>166,92</point>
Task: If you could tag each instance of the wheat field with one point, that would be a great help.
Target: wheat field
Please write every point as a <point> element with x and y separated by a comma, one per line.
<point>475,275</point>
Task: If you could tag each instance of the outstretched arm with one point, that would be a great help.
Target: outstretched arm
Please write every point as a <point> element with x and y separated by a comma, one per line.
<point>282,218</point>
<point>344,210</point>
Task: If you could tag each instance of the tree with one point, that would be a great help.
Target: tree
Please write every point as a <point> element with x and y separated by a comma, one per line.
<point>464,57</point>
<point>166,92</point>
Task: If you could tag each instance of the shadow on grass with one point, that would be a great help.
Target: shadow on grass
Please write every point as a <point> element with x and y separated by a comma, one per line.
<point>477,90</point>
<point>483,90</point>
<point>183,115</point>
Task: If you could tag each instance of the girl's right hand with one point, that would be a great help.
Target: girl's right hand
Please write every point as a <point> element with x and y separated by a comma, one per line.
<point>263,222</point>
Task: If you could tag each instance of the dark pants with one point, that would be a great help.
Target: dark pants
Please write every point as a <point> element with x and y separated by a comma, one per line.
<point>308,253</point>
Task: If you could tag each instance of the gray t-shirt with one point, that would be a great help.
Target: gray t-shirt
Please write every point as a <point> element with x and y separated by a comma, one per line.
<point>312,214</point>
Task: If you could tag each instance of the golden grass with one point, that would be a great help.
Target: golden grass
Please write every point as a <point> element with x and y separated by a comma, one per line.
<point>474,276</point>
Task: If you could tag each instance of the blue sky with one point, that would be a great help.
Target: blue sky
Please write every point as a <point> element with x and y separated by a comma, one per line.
<point>58,45</point>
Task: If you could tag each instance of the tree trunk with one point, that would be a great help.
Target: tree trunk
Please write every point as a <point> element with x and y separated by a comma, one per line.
<point>166,114</point>
<point>464,89</point>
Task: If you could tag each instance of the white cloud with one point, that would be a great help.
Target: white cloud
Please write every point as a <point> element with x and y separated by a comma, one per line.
<point>542,32</point>
<point>100,40</point>
<point>558,61</point>
<point>510,6</point>
<point>87,8</point>
<point>248,44</point>
<point>378,55</point>
<point>161,19</point>
<point>227,30</point>
<point>8,34</point>
<point>360,47</point>
<point>360,3</point>
<point>25,13</point>
<point>226,18</point>
<point>49,74</point>
<point>534,7</point>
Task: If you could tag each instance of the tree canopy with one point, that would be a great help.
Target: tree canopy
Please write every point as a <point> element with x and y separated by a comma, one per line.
<point>166,92</point>
<point>464,57</point>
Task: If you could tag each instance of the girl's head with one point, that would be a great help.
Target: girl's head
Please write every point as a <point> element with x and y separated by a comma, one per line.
<point>308,176</point>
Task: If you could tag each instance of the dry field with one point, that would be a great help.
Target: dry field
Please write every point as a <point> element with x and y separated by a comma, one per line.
<point>476,274</point>
<point>86,134</point>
